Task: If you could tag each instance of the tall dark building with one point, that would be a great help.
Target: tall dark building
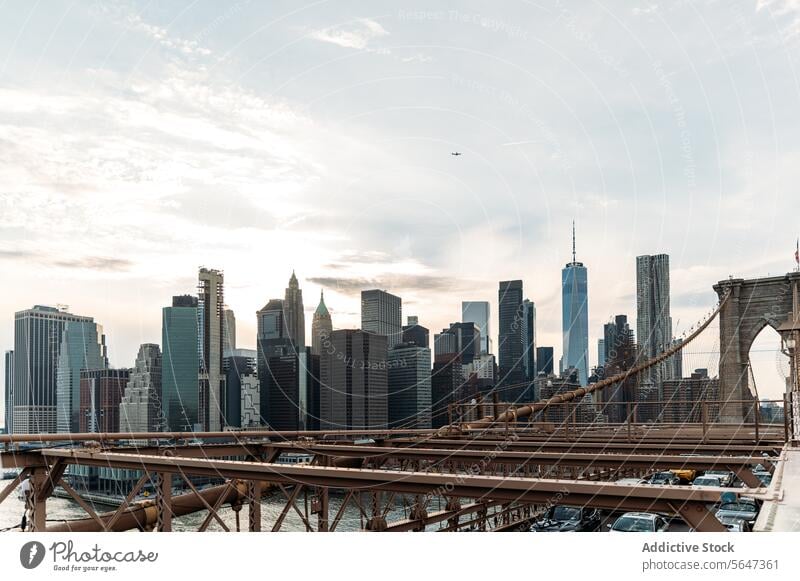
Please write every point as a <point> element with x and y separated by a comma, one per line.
<point>415,333</point>
<point>621,356</point>
<point>529,339</point>
<point>463,339</point>
<point>544,360</point>
<point>180,406</point>
<point>447,382</point>
<point>101,392</point>
<point>510,343</point>
<point>354,381</point>
<point>409,369</point>
<point>292,392</point>
<point>240,368</point>
<point>8,404</point>
<point>615,334</point>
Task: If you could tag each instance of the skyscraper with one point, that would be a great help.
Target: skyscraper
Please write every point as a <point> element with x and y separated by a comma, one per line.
<point>653,320</point>
<point>8,404</point>
<point>37,345</point>
<point>544,360</point>
<point>478,312</point>
<point>354,381</point>
<point>241,377</point>
<point>529,339</point>
<point>100,395</point>
<point>447,387</point>
<point>510,341</point>
<point>140,408</point>
<point>575,316</point>
<point>321,326</point>
<point>292,389</point>
<point>381,314</point>
<point>463,339</point>
<point>415,333</point>
<point>228,331</point>
<point>294,317</point>
<point>615,334</point>
<point>601,352</point>
<point>82,347</point>
<point>180,364</point>
<point>211,331</point>
<point>409,368</point>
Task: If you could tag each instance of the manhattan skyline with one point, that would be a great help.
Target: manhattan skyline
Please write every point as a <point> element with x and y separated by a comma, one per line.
<point>320,142</point>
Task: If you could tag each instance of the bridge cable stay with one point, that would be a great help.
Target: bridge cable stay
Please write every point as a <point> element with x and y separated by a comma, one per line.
<point>512,415</point>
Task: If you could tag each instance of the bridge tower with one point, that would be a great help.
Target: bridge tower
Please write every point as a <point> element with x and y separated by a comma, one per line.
<point>752,305</point>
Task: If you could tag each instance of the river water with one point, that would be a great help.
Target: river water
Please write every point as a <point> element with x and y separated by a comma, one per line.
<point>61,509</point>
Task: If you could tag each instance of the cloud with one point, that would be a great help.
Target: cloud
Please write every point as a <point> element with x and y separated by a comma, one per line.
<point>99,263</point>
<point>356,36</point>
<point>787,13</point>
<point>392,282</point>
<point>162,36</point>
<point>96,263</point>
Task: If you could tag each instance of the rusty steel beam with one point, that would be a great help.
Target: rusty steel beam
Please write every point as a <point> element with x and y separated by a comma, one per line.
<point>561,446</point>
<point>238,435</point>
<point>524,490</point>
<point>630,460</point>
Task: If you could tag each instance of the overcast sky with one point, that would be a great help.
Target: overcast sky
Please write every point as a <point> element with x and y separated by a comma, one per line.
<point>140,140</point>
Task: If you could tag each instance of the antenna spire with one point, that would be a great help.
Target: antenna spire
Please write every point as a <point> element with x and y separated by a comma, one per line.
<point>573,241</point>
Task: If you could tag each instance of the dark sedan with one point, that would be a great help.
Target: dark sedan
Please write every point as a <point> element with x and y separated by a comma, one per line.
<point>561,519</point>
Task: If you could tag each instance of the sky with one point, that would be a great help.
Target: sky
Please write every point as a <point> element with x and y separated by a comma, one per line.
<point>141,140</point>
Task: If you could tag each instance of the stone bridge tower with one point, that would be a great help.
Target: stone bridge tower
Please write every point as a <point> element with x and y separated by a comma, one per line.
<point>753,304</point>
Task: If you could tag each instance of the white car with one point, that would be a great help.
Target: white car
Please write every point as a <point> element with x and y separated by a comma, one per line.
<point>639,522</point>
<point>707,481</point>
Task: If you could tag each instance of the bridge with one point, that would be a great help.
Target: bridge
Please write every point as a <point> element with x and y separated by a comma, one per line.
<point>496,468</point>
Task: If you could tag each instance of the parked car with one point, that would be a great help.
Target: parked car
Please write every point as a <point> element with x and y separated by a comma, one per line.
<point>568,519</point>
<point>726,478</point>
<point>744,508</point>
<point>663,478</point>
<point>639,522</point>
<point>735,524</point>
<point>707,481</point>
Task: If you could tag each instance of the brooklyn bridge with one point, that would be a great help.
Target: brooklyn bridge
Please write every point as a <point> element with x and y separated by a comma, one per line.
<point>496,466</point>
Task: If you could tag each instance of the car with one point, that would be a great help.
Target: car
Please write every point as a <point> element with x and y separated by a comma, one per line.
<point>639,522</point>
<point>726,478</point>
<point>744,508</point>
<point>568,519</point>
<point>707,481</point>
<point>663,478</point>
<point>735,524</point>
<point>764,477</point>
<point>631,481</point>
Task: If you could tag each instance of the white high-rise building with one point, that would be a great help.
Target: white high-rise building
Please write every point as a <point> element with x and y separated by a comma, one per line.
<point>140,408</point>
